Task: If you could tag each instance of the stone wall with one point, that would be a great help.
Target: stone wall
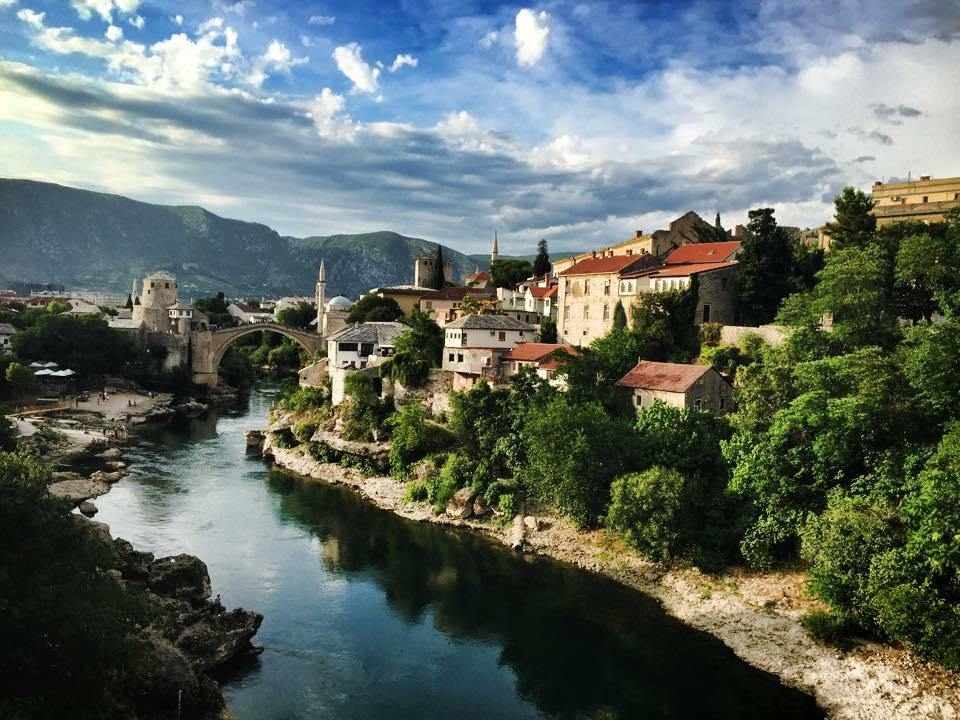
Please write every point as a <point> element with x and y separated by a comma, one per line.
<point>771,334</point>
<point>434,394</point>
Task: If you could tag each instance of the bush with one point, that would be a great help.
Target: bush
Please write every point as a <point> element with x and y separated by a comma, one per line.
<point>500,487</point>
<point>710,333</point>
<point>456,473</point>
<point>300,399</point>
<point>644,507</point>
<point>508,505</point>
<point>416,492</point>
<point>364,413</point>
<point>284,438</point>
<point>414,437</point>
<point>303,430</point>
<point>828,628</point>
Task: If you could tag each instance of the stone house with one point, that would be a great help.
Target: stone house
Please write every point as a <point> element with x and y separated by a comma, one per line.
<point>358,347</point>
<point>406,296</point>
<point>534,300</point>
<point>536,355</point>
<point>247,313</point>
<point>589,292</point>
<point>474,345</point>
<point>445,306</point>
<point>696,387</point>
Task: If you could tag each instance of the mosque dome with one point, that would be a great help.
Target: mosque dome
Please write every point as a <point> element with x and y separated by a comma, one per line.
<point>339,303</point>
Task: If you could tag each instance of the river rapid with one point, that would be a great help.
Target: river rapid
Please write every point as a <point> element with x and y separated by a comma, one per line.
<point>368,615</point>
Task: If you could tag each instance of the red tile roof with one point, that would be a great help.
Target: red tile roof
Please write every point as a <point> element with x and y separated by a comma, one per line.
<point>532,351</point>
<point>607,264</point>
<point>478,276</point>
<point>704,252</point>
<point>543,292</point>
<point>459,293</point>
<point>668,377</point>
<point>679,270</point>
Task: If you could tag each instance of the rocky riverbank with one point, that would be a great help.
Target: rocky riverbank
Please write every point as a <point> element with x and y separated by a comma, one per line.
<point>186,639</point>
<point>756,615</point>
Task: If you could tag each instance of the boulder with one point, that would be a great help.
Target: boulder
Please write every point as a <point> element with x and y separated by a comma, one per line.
<point>109,478</point>
<point>76,491</point>
<point>480,507</point>
<point>88,508</point>
<point>133,564</point>
<point>110,454</point>
<point>515,538</point>
<point>461,504</point>
<point>255,440</point>
<point>115,465</point>
<point>533,524</point>
<point>220,638</point>
<point>180,576</point>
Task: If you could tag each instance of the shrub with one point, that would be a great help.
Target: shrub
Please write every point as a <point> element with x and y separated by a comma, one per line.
<point>364,413</point>
<point>710,333</point>
<point>828,628</point>
<point>644,507</point>
<point>414,437</point>
<point>508,504</point>
<point>456,472</point>
<point>498,488</point>
<point>284,439</point>
<point>416,492</point>
<point>304,430</point>
<point>299,399</point>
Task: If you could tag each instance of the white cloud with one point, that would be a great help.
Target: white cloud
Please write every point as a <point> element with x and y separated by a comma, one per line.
<point>277,58</point>
<point>104,8</point>
<point>349,59</point>
<point>177,20</point>
<point>7,3</point>
<point>307,41</point>
<point>137,21</point>
<point>34,19</point>
<point>214,23</point>
<point>327,114</point>
<point>238,8</point>
<point>114,34</point>
<point>531,33</point>
<point>489,39</point>
<point>403,60</point>
<point>322,20</point>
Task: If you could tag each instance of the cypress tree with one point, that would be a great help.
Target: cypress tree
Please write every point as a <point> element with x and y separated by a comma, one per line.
<point>541,264</point>
<point>619,316</point>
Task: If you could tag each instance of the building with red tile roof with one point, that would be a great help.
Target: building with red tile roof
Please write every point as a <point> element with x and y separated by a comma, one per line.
<point>697,387</point>
<point>704,253</point>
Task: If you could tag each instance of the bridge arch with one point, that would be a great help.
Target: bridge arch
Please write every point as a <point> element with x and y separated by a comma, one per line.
<point>209,346</point>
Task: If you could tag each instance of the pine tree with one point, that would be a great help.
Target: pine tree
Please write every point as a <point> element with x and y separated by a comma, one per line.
<point>619,316</point>
<point>437,280</point>
<point>853,225</point>
<point>541,264</point>
<point>764,269</point>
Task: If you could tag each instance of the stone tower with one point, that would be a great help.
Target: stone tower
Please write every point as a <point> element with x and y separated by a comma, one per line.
<point>158,295</point>
<point>321,296</point>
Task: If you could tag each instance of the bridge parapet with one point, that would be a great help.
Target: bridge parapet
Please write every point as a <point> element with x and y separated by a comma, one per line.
<point>209,346</point>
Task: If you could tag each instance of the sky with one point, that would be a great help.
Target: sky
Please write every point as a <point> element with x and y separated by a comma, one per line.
<point>578,122</point>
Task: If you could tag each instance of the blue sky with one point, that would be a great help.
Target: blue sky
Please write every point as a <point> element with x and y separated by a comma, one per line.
<point>579,122</point>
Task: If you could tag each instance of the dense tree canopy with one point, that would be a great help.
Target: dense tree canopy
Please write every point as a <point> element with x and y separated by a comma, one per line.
<point>509,273</point>
<point>541,263</point>
<point>373,308</point>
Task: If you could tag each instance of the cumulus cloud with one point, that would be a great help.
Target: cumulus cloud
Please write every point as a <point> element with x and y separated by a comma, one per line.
<point>531,33</point>
<point>489,39</point>
<point>277,59</point>
<point>349,60</point>
<point>322,20</point>
<point>238,8</point>
<point>104,8</point>
<point>7,3</point>
<point>403,60</point>
<point>113,33</point>
<point>327,114</point>
<point>177,20</point>
<point>31,18</point>
<point>137,21</point>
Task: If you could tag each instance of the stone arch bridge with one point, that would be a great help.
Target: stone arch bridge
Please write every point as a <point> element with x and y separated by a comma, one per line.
<point>207,347</point>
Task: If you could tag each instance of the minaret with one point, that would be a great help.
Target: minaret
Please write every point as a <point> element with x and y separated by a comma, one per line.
<point>321,296</point>
<point>495,251</point>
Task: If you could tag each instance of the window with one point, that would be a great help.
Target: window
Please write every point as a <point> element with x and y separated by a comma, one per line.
<point>566,310</point>
<point>429,305</point>
<point>347,347</point>
<point>586,312</point>
<point>586,287</point>
<point>698,404</point>
<point>606,287</point>
<point>366,349</point>
<point>459,357</point>
<point>925,198</point>
<point>723,283</point>
<point>167,285</point>
<point>450,357</point>
<point>706,313</point>
<point>722,402</point>
<point>501,336</point>
<point>606,312</point>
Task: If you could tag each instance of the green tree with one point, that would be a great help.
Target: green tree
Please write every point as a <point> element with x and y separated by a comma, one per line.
<point>548,330</point>
<point>509,273</point>
<point>373,308</point>
<point>619,317</point>
<point>574,476</point>
<point>298,316</point>
<point>541,263</point>
<point>644,507</point>
<point>764,270</point>
<point>364,414</point>
<point>418,349</point>
<point>19,378</point>
<point>438,279</point>
<point>853,224</point>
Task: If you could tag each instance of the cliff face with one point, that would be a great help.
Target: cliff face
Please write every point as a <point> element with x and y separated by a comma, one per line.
<point>81,239</point>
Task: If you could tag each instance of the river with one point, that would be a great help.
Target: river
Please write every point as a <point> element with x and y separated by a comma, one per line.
<point>368,615</point>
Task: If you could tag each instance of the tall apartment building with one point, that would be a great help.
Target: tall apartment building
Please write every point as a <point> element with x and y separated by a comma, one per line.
<point>925,200</point>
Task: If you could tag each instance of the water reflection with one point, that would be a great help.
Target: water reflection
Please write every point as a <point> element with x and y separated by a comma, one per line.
<point>581,646</point>
<point>370,616</point>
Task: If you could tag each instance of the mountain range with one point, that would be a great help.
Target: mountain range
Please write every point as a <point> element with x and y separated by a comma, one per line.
<point>88,240</point>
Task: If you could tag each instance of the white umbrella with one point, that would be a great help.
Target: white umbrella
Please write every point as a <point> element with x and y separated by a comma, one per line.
<point>67,373</point>
<point>37,365</point>
<point>44,372</point>
<point>50,364</point>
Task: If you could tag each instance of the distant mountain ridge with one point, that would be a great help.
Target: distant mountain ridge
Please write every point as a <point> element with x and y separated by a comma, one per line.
<point>82,239</point>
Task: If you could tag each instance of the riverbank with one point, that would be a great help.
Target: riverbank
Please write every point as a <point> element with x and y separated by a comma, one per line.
<point>756,615</point>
